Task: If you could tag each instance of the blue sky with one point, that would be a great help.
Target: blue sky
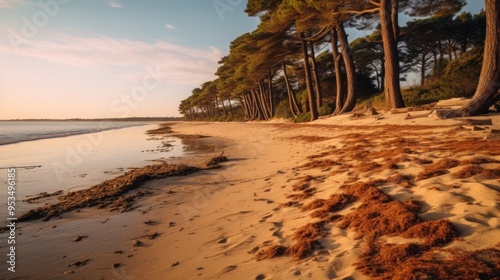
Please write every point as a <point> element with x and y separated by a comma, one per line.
<point>112,58</point>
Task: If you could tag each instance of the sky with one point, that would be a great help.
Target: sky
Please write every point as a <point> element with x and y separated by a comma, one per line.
<point>113,58</point>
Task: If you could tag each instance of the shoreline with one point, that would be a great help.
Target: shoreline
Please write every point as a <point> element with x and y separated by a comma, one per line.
<point>216,224</point>
<point>81,161</point>
<point>102,128</point>
<point>39,249</point>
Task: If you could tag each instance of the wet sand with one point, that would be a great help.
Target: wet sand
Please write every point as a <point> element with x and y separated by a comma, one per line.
<point>343,198</point>
<point>101,220</point>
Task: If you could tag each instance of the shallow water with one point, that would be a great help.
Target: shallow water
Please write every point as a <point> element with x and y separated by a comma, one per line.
<point>80,161</point>
<point>20,131</point>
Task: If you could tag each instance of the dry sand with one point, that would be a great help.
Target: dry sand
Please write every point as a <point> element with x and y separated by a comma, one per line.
<point>227,221</point>
<point>340,198</point>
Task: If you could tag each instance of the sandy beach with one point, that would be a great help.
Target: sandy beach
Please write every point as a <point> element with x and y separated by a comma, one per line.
<point>347,197</point>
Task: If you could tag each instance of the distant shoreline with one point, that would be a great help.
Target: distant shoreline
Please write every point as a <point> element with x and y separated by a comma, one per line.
<point>9,136</point>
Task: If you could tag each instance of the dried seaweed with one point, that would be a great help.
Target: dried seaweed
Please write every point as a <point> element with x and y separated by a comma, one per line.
<point>434,233</point>
<point>109,193</point>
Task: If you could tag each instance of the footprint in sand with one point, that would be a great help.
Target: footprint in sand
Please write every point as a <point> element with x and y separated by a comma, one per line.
<point>263,219</point>
<point>150,222</point>
<point>267,243</point>
<point>268,201</point>
<point>276,225</point>
<point>228,269</point>
<point>254,250</point>
<point>222,241</point>
<point>278,234</point>
<point>341,254</point>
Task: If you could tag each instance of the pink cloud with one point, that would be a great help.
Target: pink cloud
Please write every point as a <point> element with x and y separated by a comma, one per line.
<point>12,4</point>
<point>114,4</point>
<point>127,59</point>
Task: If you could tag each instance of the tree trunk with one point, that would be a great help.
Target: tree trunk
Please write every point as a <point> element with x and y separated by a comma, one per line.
<point>422,70</point>
<point>251,110</point>
<point>392,87</point>
<point>382,75</point>
<point>224,108</point>
<point>307,68</point>
<point>463,45</point>
<point>434,54</point>
<point>488,88</point>
<point>271,94</point>
<point>292,100</point>
<point>258,109</point>
<point>254,106</point>
<point>350,70</point>
<point>246,102</point>
<point>339,100</point>
<point>319,97</point>
<point>204,112</point>
<point>262,100</point>
<point>191,114</point>
<point>216,107</point>
<point>186,115</point>
<point>450,50</point>
<point>377,75</point>
<point>194,113</point>
<point>395,20</point>
<point>441,53</point>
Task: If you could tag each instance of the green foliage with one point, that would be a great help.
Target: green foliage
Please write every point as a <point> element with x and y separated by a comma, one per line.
<point>468,64</point>
<point>460,80</point>
<point>303,99</point>
<point>224,118</point>
<point>255,7</point>
<point>431,42</point>
<point>376,101</point>
<point>442,89</point>
<point>303,117</point>
<point>427,94</point>
<point>365,85</point>
<point>326,109</point>
<point>213,119</point>
<point>283,110</point>
<point>238,118</point>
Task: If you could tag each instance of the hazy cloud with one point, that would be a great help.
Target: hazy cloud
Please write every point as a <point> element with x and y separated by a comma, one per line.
<point>114,4</point>
<point>127,59</point>
<point>169,26</point>
<point>11,4</point>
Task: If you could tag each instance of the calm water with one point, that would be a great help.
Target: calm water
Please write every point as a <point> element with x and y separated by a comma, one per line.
<point>20,131</point>
<point>76,161</point>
